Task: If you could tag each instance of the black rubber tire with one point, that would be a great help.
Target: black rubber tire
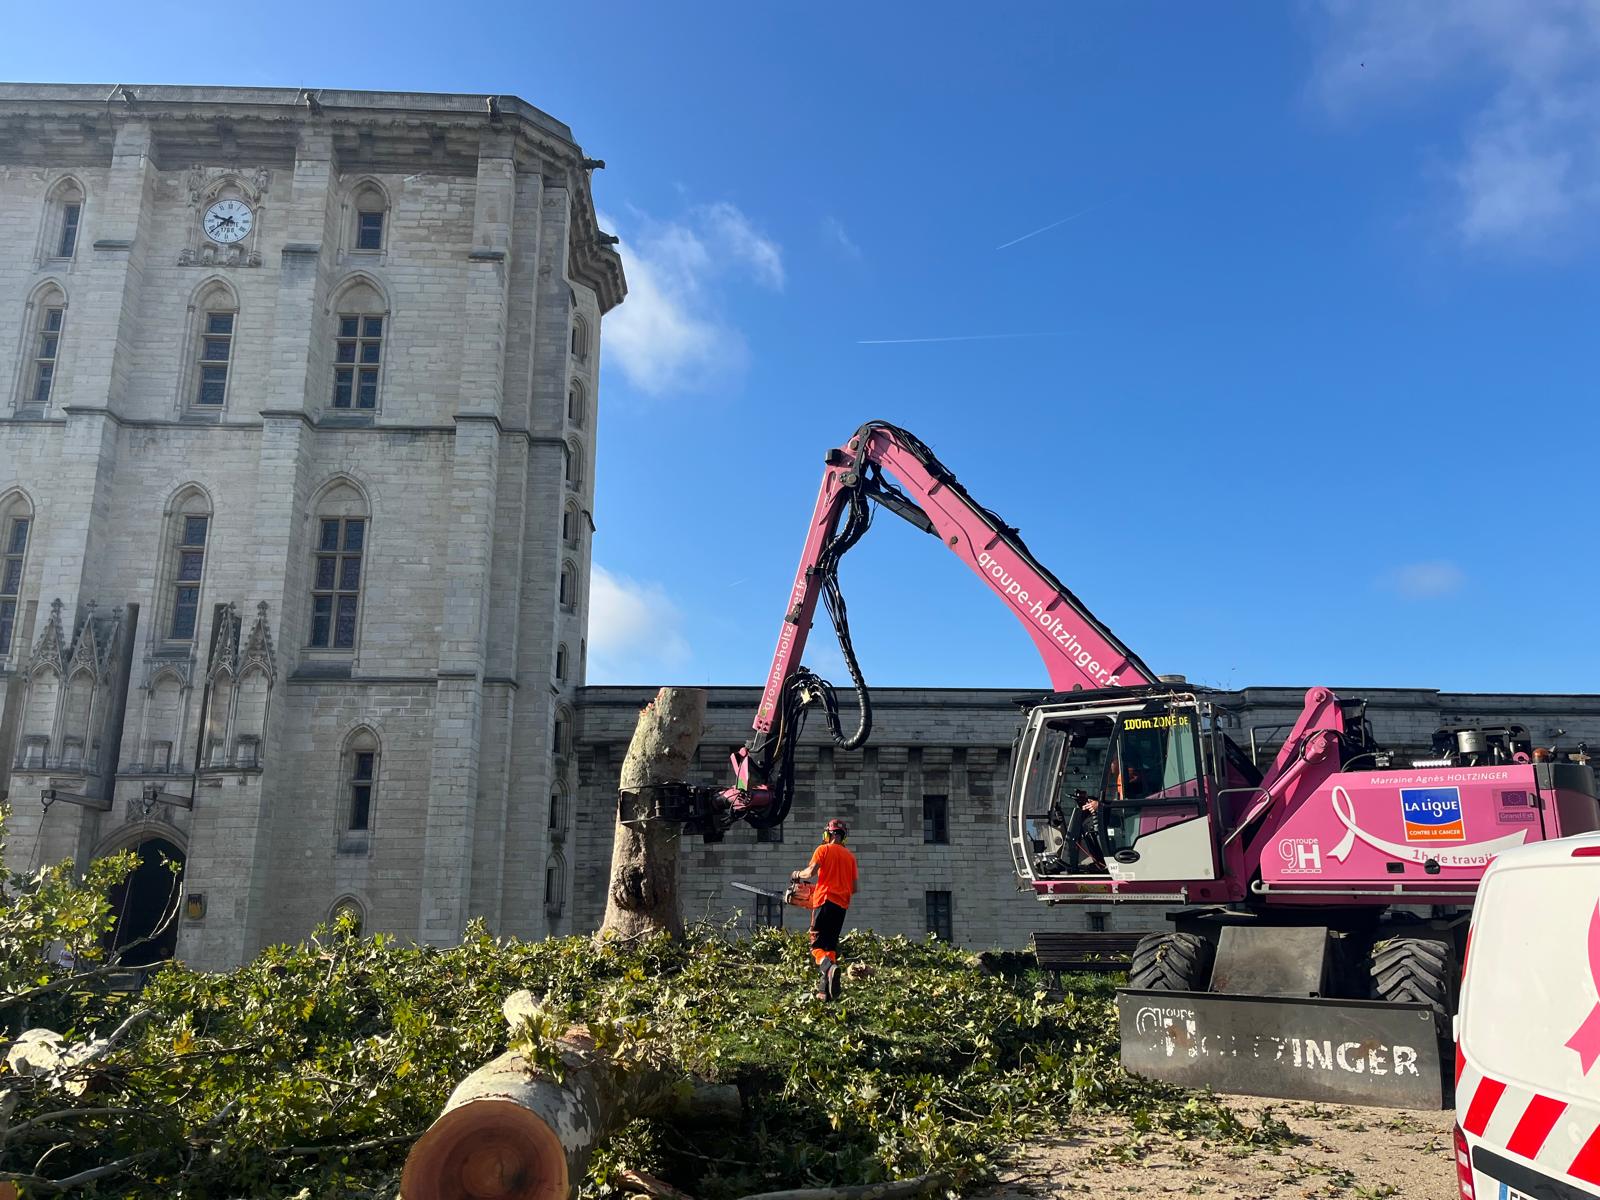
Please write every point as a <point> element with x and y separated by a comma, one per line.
<point>1415,970</point>
<point>1172,962</point>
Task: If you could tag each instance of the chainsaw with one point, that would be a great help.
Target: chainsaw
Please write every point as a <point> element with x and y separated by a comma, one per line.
<point>797,895</point>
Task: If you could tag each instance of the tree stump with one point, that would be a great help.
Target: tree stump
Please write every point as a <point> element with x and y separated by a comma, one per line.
<point>643,894</point>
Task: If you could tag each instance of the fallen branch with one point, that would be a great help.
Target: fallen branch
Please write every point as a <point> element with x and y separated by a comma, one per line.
<point>649,1185</point>
<point>71,1181</point>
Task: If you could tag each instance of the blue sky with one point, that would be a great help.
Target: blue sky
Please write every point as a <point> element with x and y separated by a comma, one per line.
<point>1297,386</point>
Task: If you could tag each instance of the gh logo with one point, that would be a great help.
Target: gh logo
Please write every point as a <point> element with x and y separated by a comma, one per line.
<point>1301,856</point>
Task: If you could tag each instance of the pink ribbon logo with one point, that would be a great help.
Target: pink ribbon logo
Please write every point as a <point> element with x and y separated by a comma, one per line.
<point>1586,1041</point>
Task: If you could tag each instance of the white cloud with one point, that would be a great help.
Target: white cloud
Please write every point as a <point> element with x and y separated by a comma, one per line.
<point>668,336</point>
<point>635,630</point>
<point>724,222</point>
<point>1527,169</point>
<point>836,235</point>
<point>1426,580</point>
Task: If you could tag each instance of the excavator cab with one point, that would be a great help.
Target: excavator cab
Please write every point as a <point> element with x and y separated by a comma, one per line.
<point>1114,789</point>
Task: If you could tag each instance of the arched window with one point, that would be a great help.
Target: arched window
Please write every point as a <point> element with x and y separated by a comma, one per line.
<point>558,809</point>
<point>341,537</point>
<point>16,522</point>
<point>574,465</point>
<point>184,558</point>
<point>63,219</point>
<point>569,525</point>
<point>47,318</point>
<point>575,404</point>
<point>360,782</point>
<point>360,321</point>
<point>369,207</point>
<point>568,591</point>
<point>348,909</point>
<point>561,663</point>
<point>216,317</point>
<point>562,740</point>
<point>555,884</point>
<point>580,338</point>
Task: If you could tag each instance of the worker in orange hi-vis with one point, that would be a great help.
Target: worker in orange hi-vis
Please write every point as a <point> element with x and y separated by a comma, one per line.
<point>833,870</point>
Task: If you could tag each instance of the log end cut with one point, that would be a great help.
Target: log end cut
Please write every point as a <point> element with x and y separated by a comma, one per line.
<point>487,1150</point>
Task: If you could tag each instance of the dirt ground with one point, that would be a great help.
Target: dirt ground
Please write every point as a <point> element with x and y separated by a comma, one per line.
<point>1342,1151</point>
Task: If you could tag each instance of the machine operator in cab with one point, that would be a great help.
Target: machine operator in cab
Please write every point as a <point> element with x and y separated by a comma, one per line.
<point>833,870</point>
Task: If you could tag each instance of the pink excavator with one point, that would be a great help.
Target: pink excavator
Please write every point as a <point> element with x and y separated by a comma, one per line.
<point>1318,906</point>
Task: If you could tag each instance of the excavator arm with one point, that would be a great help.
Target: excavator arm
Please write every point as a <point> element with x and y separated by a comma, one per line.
<point>883,466</point>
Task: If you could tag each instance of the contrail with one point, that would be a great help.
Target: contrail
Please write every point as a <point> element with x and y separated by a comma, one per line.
<point>966,337</point>
<point>1045,229</point>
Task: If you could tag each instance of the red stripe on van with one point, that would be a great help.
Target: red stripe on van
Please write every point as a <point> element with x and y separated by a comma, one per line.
<point>1535,1125</point>
<point>1587,1165</point>
<point>1482,1106</point>
<point>1461,1063</point>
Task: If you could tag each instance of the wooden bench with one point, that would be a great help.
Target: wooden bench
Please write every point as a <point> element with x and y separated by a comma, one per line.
<point>1058,951</point>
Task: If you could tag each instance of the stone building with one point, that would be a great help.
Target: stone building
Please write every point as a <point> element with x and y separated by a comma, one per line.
<point>297,428</point>
<point>926,800</point>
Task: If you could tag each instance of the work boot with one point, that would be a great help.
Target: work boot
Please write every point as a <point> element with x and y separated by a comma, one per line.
<point>829,988</point>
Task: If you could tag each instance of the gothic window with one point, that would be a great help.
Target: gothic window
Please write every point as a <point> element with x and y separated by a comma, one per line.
<point>216,321</point>
<point>580,339</point>
<point>569,525</point>
<point>561,663</point>
<point>568,586</point>
<point>555,884</point>
<point>371,209</point>
<point>938,907</point>
<point>191,524</point>
<point>336,582</point>
<point>359,328</point>
<point>348,908</point>
<point>63,219</point>
<point>574,463</point>
<point>16,519</point>
<point>361,780</point>
<point>52,315</point>
<point>575,403</point>
<point>563,733</point>
<point>45,318</point>
<point>558,810</point>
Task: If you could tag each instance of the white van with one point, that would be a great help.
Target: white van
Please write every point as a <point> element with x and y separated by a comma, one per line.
<point>1528,1031</point>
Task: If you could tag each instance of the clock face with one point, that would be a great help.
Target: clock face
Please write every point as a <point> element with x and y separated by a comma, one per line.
<point>227,221</point>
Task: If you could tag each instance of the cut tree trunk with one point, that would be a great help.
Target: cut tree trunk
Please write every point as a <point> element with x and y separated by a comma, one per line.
<point>509,1132</point>
<point>643,895</point>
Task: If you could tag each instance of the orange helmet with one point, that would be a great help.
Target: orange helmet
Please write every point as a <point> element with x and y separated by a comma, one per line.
<point>837,826</point>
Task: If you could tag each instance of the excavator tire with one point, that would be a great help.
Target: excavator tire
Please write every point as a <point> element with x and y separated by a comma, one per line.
<point>1415,970</point>
<point>1172,962</point>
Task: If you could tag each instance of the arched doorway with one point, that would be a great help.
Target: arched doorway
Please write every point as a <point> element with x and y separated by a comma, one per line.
<point>141,901</point>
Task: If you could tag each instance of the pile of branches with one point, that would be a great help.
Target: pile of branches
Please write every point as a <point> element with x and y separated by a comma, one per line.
<point>310,1071</point>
